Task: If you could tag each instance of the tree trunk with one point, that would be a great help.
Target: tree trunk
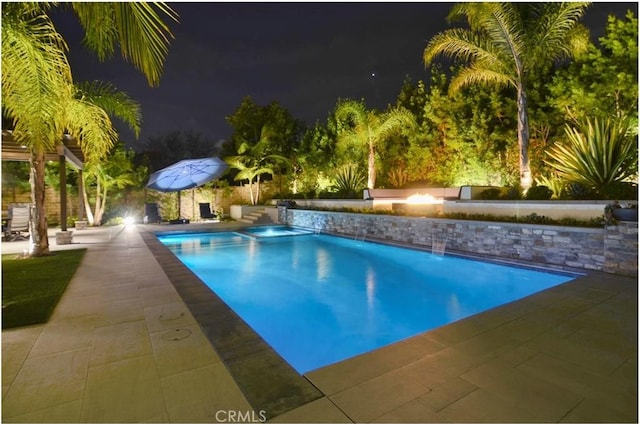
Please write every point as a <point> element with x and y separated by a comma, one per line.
<point>523,139</point>
<point>257,191</point>
<point>100,207</point>
<point>39,243</point>
<point>371,179</point>
<point>251,191</point>
<point>87,206</point>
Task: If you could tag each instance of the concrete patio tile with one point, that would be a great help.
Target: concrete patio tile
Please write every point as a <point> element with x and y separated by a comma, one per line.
<point>571,306</point>
<point>175,355</point>
<point>488,344</point>
<point>204,394</point>
<point>68,412</point>
<point>604,361</point>
<point>593,411</point>
<point>124,290</point>
<point>457,332</point>
<point>47,381</point>
<point>123,391</point>
<point>16,345</point>
<point>544,399</point>
<point>446,364</point>
<point>74,306</point>
<point>515,356</point>
<point>381,395</point>
<point>605,390</point>
<point>345,374</point>
<point>530,325</point>
<point>484,406</point>
<point>411,412</point>
<point>168,316</point>
<point>120,341</point>
<point>599,338</point>
<point>157,295</point>
<point>627,375</point>
<point>64,335</point>
<point>443,395</point>
<point>611,318</point>
<point>119,311</point>
<point>151,276</point>
<point>318,411</point>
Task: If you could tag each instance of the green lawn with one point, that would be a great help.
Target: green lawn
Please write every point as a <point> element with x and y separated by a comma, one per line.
<point>32,287</point>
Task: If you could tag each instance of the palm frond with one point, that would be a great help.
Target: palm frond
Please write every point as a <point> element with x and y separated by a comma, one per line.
<point>137,28</point>
<point>36,78</point>
<point>557,32</point>
<point>351,110</point>
<point>91,126</point>
<point>114,102</point>
<point>474,75</point>
<point>463,45</point>
<point>393,120</point>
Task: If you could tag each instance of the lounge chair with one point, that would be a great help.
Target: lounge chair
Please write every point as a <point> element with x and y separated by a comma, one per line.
<point>18,223</point>
<point>151,213</point>
<point>205,211</point>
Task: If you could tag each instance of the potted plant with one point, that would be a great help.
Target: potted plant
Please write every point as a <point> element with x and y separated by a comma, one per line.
<point>615,212</point>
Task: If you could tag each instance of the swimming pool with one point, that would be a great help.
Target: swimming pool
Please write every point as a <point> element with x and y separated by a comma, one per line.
<point>319,299</point>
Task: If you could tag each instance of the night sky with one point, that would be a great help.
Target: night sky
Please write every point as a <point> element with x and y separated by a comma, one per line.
<point>303,55</point>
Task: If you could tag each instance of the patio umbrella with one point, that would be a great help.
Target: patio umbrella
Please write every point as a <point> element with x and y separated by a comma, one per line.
<point>188,173</point>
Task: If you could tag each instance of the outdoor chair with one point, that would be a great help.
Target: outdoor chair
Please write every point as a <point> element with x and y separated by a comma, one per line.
<point>205,211</point>
<point>18,223</point>
<point>151,213</point>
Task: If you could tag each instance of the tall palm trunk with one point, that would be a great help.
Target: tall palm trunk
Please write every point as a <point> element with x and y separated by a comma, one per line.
<point>257,190</point>
<point>39,240</point>
<point>523,138</point>
<point>101,204</point>
<point>371,178</point>
<point>87,205</point>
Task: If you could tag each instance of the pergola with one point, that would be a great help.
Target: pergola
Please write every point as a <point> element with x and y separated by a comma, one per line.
<point>67,152</point>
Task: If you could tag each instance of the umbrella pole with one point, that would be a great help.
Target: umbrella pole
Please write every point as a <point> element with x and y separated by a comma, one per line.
<point>179,206</point>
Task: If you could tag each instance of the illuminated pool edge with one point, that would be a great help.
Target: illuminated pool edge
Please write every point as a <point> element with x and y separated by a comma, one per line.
<point>258,326</point>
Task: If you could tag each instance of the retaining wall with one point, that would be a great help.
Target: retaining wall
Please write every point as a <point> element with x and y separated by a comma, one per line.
<point>612,249</point>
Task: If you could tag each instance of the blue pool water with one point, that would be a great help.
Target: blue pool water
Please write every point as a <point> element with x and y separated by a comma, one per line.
<point>318,299</point>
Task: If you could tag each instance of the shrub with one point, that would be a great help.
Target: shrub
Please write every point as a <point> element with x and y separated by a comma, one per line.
<point>491,194</point>
<point>597,153</point>
<point>578,191</point>
<point>539,193</point>
<point>621,190</point>
<point>554,183</point>
<point>513,193</point>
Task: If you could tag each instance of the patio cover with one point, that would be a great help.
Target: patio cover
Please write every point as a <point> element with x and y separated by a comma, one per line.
<point>67,152</point>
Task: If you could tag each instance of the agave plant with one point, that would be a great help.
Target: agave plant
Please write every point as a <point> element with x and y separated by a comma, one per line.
<point>599,153</point>
<point>349,179</point>
<point>553,182</point>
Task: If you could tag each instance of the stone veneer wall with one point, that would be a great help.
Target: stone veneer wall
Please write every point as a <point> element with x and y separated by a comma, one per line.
<point>613,249</point>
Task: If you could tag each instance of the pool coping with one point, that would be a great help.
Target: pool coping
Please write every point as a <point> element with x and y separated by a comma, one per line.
<point>268,382</point>
<point>272,385</point>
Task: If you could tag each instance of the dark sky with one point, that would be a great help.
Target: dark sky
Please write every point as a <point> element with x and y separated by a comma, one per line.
<point>302,55</point>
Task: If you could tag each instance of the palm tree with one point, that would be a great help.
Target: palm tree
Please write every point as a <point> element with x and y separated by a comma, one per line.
<point>255,160</point>
<point>504,44</point>
<point>38,93</point>
<point>115,172</point>
<point>368,128</point>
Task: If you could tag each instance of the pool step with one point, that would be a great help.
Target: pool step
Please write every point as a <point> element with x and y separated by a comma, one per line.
<point>257,217</point>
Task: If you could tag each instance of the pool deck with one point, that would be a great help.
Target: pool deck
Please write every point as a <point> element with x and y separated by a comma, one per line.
<point>132,340</point>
